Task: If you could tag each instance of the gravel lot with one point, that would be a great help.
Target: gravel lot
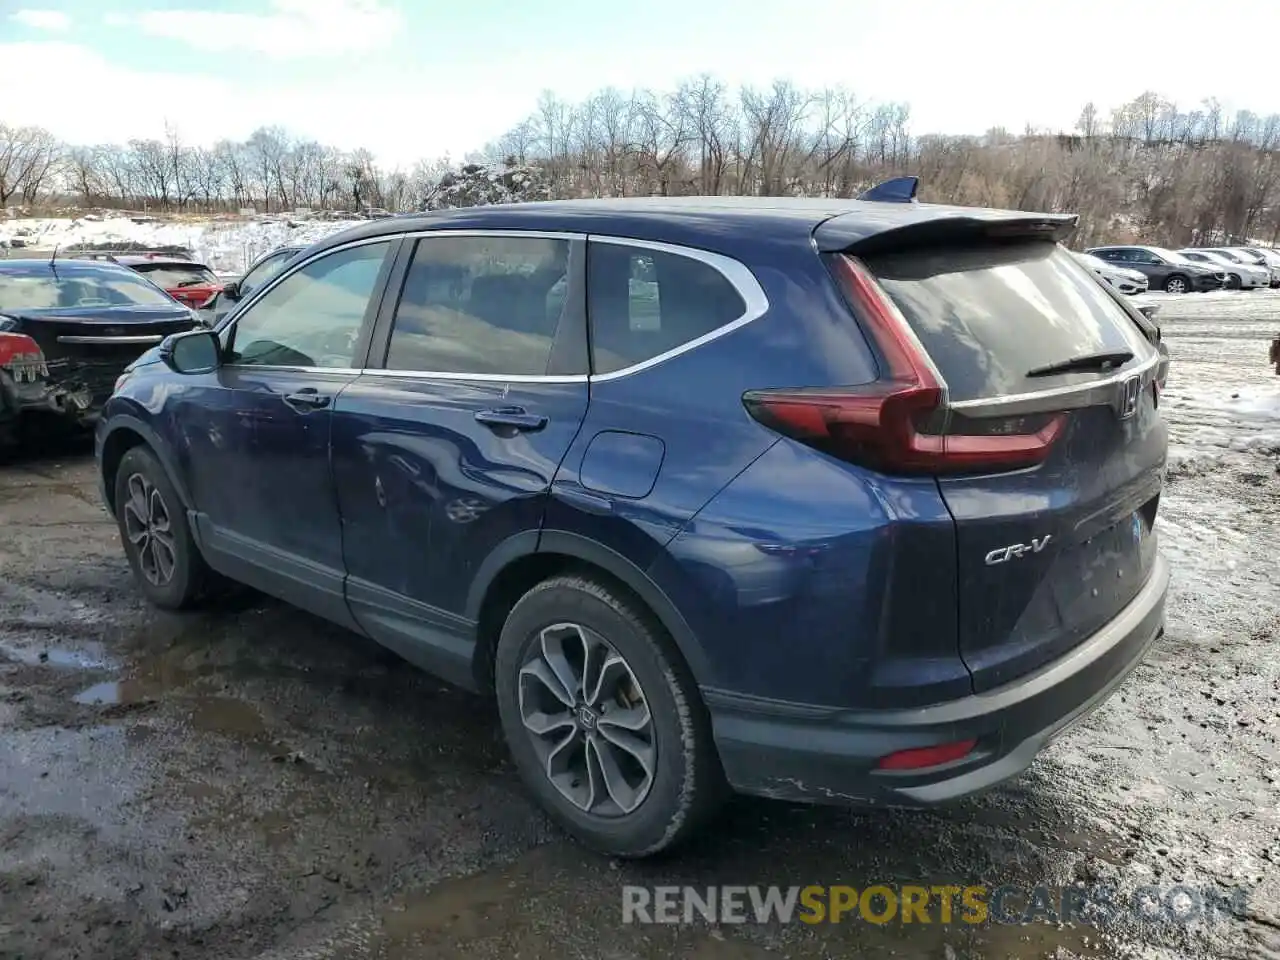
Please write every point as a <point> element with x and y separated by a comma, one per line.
<point>252,783</point>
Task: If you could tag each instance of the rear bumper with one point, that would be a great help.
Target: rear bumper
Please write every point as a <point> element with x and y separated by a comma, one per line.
<point>824,755</point>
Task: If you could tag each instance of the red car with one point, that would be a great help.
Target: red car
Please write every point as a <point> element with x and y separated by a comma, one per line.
<point>187,281</point>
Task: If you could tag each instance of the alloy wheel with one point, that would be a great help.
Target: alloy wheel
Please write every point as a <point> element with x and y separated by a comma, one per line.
<point>150,531</point>
<point>589,720</point>
<point>1176,286</point>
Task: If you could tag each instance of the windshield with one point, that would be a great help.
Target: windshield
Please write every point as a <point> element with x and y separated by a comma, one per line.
<point>1171,255</point>
<point>1228,255</point>
<point>263,272</point>
<point>44,290</point>
<point>174,275</point>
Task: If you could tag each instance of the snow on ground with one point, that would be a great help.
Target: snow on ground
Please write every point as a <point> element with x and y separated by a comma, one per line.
<point>225,244</point>
<point>1223,399</point>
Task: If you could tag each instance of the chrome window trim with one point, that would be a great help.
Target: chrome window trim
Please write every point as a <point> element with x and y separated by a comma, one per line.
<point>1075,396</point>
<point>476,377</point>
<point>742,279</point>
<point>137,338</point>
<point>508,233</point>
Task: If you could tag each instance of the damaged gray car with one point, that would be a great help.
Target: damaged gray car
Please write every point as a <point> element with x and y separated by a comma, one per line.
<point>68,328</point>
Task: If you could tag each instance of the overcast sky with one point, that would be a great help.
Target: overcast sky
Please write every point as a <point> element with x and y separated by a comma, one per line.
<point>420,79</point>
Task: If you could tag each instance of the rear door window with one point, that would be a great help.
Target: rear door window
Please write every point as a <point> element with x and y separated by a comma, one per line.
<point>989,315</point>
<point>481,305</point>
<point>645,302</point>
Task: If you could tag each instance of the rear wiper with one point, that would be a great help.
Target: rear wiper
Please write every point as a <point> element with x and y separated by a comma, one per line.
<point>1087,361</point>
<point>189,283</point>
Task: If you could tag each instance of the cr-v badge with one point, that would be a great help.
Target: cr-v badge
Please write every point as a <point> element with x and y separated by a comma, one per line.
<point>1017,550</point>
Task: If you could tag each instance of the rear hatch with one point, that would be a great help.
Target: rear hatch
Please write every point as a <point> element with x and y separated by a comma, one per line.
<point>193,284</point>
<point>1027,344</point>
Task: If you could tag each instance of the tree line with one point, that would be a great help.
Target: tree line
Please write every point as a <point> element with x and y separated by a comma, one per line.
<point>1147,170</point>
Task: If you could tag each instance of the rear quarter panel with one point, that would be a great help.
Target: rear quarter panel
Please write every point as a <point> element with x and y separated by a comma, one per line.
<point>692,405</point>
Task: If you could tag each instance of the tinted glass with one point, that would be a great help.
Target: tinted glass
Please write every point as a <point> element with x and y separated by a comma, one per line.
<point>987,316</point>
<point>77,287</point>
<point>173,275</point>
<point>483,305</point>
<point>312,318</point>
<point>263,272</point>
<point>644,302</point>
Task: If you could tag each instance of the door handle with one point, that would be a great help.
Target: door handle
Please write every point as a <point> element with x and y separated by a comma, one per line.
<point>513,418</point>
<point>307,399</point>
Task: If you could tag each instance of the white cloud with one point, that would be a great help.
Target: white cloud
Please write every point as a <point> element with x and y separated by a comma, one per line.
<point>293,28</point>
<point>208,108</point>
<point>43,19</point>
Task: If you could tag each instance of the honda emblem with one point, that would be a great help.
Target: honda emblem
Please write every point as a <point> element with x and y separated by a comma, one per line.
<point>1130,392</point>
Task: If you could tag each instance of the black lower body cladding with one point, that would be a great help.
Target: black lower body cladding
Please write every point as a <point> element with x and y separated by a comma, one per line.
<point>824,755</point>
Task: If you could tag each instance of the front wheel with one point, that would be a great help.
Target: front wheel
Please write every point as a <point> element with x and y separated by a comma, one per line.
<point>603,719</point>
<point>155,534</point>
<point>1176,284</point>
<point>1234,282</point>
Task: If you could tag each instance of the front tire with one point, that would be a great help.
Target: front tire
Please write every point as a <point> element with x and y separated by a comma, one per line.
<point>155,534</point>
<point>1234,282</point>
<point>603,719</point>
<point>1176,284</point>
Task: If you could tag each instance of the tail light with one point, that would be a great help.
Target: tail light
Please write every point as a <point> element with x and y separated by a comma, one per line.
<point>900,423</point>
<point>921,758</point>
<point>22,356</point>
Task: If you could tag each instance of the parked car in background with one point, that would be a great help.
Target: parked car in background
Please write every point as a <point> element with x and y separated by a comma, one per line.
<point>843,500</point>
<point>1240,275</point>
<point>187,281</point>
<point>260,272</point>
<point>1124,279</point>
<point>1243,256</point>
<point>67,330</point>
<point>1270,257</point>
<point>1164,269</point>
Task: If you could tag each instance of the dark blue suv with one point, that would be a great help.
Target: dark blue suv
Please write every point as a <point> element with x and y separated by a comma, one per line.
<point>839,501</point>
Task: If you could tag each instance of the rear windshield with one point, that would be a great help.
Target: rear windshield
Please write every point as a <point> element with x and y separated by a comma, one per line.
<point>174,275</point>
<point>74,289</point>
<point>989,315</point>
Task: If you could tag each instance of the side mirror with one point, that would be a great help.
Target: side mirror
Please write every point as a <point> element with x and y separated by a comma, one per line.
<point>231,290</point>
<point>195,351</point>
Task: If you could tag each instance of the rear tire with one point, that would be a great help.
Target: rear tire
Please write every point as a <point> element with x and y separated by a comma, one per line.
<point>155,534</point>
<point>1177,284</point>
<point>619,752</point>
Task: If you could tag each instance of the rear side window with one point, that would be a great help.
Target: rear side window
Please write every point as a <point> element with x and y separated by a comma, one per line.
<point>480,305</point>
<point>645,302</point>
<point>989,315</point>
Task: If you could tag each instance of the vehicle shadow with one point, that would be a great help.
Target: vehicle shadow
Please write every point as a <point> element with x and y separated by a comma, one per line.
<point>40,441</point>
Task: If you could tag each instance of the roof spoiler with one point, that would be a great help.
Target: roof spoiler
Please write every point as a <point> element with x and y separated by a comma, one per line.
<point>927,225</point>
<point>897,190</point>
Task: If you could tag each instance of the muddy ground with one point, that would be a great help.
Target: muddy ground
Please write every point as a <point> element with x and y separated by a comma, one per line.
<point>250,782</point>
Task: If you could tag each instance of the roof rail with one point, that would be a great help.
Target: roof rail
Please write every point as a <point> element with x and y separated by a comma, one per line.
<point>897,190</point>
